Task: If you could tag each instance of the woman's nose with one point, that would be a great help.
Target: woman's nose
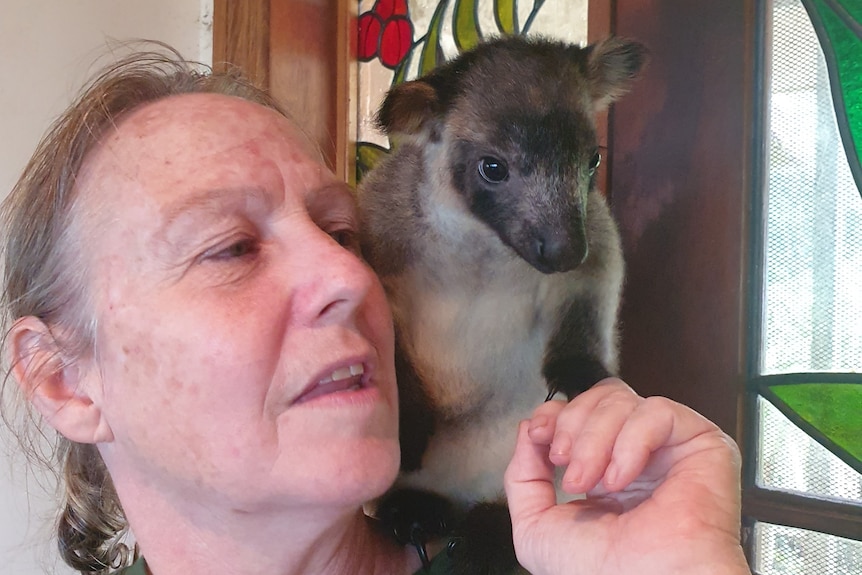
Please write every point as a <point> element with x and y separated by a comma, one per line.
<point>334,281</point>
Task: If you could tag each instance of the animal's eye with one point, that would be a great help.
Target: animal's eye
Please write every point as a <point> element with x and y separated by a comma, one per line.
<point>493,170</point>
<point>595,161</point>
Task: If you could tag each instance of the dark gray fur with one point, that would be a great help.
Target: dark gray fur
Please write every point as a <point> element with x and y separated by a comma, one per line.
<point>501,291</point>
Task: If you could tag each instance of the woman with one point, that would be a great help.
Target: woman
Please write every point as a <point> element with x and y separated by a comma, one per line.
<point>189,312</point>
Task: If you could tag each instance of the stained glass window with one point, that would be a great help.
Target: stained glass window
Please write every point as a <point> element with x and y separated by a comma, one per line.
<point>808,377</point>
<point>399,40</point>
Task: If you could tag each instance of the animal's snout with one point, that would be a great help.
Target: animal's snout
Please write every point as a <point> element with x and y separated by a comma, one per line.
<point>557,251</point>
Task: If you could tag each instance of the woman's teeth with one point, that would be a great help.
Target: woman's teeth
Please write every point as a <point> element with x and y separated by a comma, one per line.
<point>343,373</point>
<point>342,379</point>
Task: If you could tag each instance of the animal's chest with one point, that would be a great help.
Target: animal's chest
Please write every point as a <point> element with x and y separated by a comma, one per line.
<point>477,339</point>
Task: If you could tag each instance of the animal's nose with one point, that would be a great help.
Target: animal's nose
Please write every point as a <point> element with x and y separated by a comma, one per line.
<point>560,252</point>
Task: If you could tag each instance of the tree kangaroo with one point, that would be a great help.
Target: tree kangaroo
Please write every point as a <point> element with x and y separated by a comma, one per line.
<point>502,265</point>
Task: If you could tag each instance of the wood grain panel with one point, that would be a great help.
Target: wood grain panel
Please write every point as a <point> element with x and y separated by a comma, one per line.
<point>599,26</point>
<point>679,190</point>
<point>299,50</point>
<point>241,37</point>
<point>304,66</point>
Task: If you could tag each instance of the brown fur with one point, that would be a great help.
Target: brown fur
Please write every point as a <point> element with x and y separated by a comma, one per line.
<point>502,288</point>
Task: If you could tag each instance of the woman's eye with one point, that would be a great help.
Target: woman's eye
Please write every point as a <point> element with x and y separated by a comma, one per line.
<point>238,249</point>
<point>493,170</point>
<point>346,238</point>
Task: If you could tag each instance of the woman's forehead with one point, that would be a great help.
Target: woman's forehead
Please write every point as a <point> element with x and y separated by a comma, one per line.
<point>207,119</point>
<point>197,140</point>
<point>175,150</point>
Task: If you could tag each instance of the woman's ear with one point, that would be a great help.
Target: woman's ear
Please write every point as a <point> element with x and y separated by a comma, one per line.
<point>53,383</point>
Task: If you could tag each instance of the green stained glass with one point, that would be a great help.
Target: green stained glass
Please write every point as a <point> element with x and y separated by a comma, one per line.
<point>466,25</point>
<point>506,15</point>
<point>839,27</point>
<point>453,26</point>
<point>368,155</point>
<point>432,55</point>
<point>811,360</point>
<point>830,412</point>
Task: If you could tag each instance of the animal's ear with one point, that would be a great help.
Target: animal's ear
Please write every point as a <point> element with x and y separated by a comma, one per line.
<point>410,108</point>
<point>53,384</point>
<point>612,66</point>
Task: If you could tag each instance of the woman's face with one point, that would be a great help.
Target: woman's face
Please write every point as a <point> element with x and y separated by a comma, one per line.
<point>244,351</point>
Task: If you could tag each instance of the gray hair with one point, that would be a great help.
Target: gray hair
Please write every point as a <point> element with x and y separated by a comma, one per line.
<point>44,276</point>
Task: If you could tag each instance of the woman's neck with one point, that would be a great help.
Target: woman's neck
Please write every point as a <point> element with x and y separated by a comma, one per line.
<point>176,541</point>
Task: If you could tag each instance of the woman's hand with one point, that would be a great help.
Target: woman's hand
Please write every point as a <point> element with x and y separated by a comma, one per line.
<point>661,483</point>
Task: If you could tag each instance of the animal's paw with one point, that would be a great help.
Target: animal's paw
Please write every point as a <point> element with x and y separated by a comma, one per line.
<point>415,517</point>
<point>482,543</point>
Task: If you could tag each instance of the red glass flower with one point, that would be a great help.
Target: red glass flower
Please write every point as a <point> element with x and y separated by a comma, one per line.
<point>388,8</point>
<point>385,32</point>
<point>370,26</point>
<point>395,41</point>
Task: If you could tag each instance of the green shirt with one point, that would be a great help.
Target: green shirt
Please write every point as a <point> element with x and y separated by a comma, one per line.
<point>439,566</point>
<point>139,567</point>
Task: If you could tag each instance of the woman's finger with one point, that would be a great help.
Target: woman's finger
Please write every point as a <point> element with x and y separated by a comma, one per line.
<point>657,424</point>
<point>529,479</point>
<point>558,423</point>
<point>543,423</point>
<point>589,435</point>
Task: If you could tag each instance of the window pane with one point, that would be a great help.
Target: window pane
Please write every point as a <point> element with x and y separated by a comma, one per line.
<point>813,267</point>
<point>562,19</point>
<point>788,551</point>
<point>791,461</point>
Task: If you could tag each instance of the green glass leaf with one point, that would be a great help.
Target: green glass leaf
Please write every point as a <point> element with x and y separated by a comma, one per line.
<point>506,16</point>
<point>830,412</point>
<point>368,155</point>
<point>852,7</point>
<point>837,23</point>
<point>465,25</point>
<point>432,54</point>
<point>400,74</point>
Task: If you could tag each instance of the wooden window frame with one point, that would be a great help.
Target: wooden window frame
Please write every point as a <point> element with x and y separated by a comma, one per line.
<point>759,503</point>
<point>286,46</point>
<point>686,177</point>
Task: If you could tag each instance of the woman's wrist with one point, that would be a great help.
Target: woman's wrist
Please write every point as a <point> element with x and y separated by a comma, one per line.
<point>729,560</point>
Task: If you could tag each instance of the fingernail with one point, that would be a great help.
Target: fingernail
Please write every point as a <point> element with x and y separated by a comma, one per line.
<point>561,445</point>
<point>574,474</point>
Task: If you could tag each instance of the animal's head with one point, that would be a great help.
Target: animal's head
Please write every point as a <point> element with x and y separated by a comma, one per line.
<point>515,120</point>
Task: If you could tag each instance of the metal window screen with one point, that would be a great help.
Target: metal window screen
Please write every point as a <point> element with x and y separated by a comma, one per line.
<point>790,460</point>
<point>783,550</point>
<point>812,294</point>
<point>813,265</point>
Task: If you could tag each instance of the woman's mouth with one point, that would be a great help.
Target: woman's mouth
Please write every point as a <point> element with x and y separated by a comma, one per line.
<point>343,379</point>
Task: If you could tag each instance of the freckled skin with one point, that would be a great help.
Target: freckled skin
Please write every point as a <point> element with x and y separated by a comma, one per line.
<point>199,354</point>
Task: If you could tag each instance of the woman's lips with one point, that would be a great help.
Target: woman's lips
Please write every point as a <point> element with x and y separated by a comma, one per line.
<point>348,378</point>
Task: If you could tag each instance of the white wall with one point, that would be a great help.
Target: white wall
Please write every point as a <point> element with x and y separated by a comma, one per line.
<point>47,48</point>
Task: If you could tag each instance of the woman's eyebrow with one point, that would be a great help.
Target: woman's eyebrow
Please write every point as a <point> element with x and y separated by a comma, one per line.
<point>214,201</point>
<point>208,203</point>
<point>332,191</point>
